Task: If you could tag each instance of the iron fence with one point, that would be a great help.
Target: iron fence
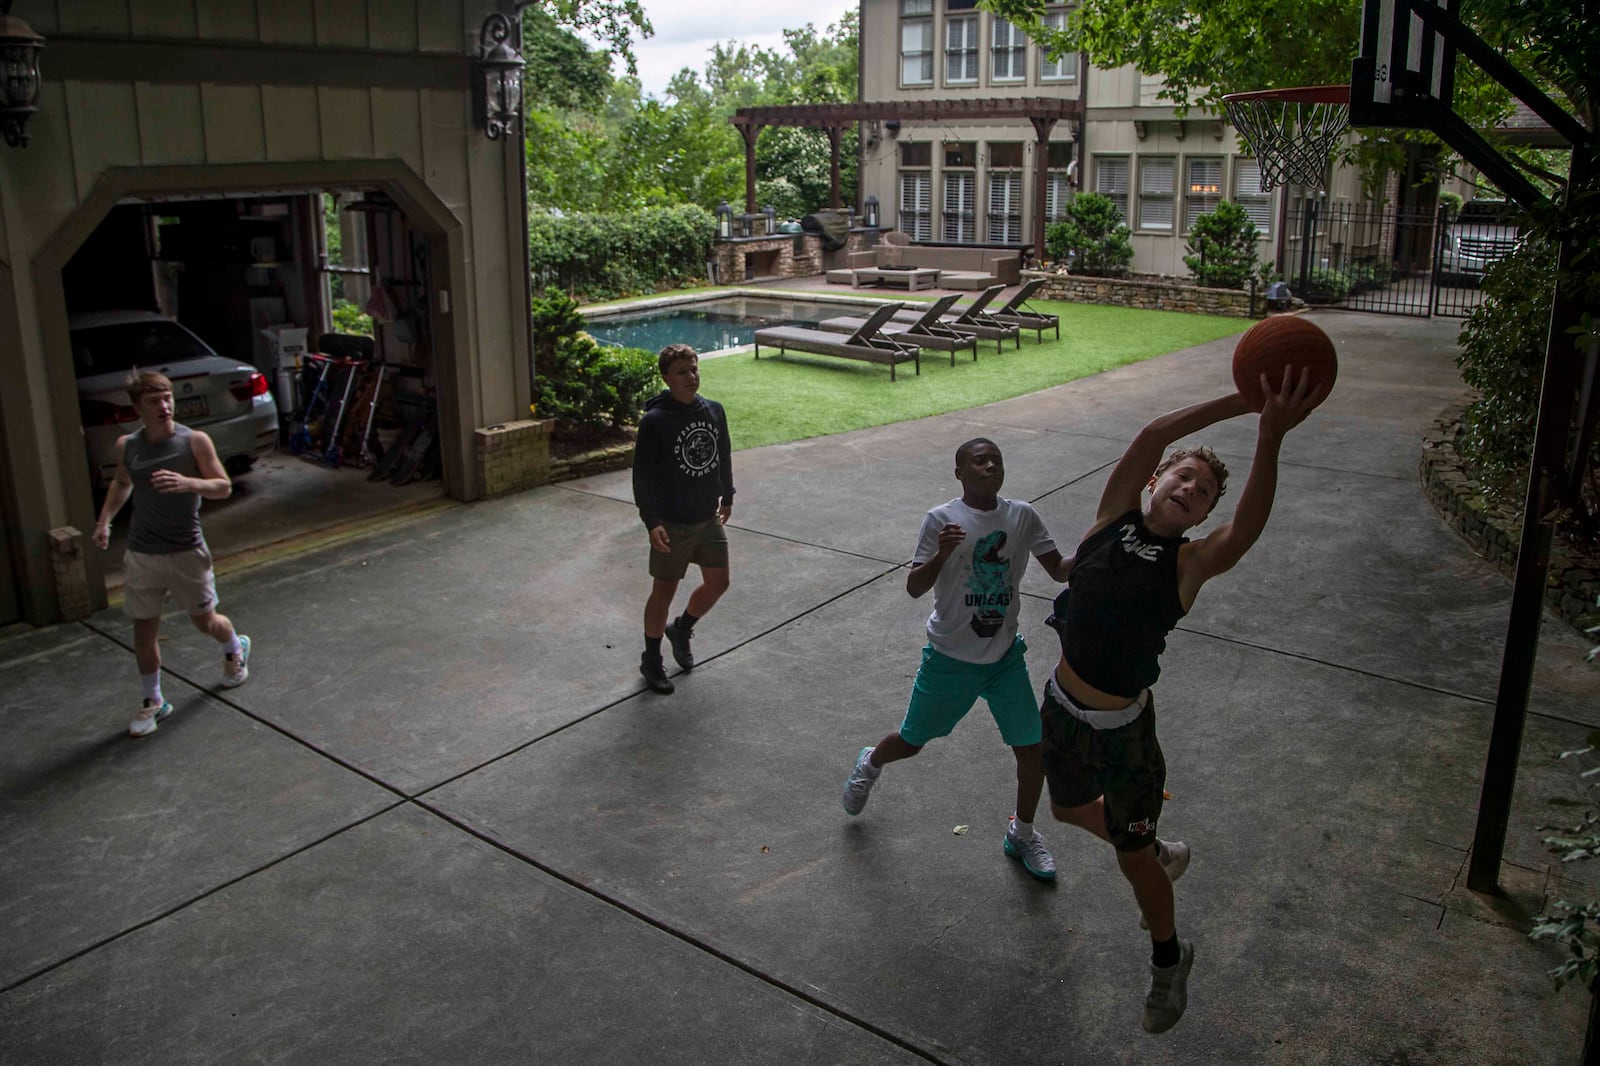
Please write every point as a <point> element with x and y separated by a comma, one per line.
<point>1389,261</point>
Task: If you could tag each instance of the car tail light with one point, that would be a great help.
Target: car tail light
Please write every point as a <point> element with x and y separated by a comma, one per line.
<point>244,390</point>
<point>102,413</point>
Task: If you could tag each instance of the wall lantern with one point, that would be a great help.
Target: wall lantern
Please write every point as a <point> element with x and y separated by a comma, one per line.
<point>772,219</point>
<point>19,61</point>
<point>499,77</point>
<point>724,221</point>
<point>872,212</point>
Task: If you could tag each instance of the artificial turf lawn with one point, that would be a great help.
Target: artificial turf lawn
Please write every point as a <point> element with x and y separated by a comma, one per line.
<point>780,398</point>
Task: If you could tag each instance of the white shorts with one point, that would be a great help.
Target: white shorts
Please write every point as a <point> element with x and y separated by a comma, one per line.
<point>147,578</point>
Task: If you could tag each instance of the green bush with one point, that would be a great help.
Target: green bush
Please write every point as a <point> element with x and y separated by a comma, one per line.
<point>578,379</point>
<point>1325,287</point>
<point>1451,202</point>
<point>1502,356</point>
<point>603,256</point>
<point>782,194</point>
<point>1093,239</point>
<point>348,318</point>
<point>1366,275</point>
<point>1222,248</point>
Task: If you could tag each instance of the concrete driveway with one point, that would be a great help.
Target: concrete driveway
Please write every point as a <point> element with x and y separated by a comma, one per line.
<point>444,823</point>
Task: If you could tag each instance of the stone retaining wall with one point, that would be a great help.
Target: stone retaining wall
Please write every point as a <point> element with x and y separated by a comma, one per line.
<point>1156,294</point>
<point>616,457</point>
<point>1494,530</point>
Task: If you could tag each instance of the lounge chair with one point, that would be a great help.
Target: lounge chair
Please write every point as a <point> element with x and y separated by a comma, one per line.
<point>974,319</point>
<point>1022,317</point>
<point>927,331</point>
<point>865,343</point>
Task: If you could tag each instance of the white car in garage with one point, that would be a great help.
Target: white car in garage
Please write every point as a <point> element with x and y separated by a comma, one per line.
<point>230,400</point>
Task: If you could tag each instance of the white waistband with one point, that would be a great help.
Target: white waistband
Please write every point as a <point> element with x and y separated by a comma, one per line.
<point>1114,719</point>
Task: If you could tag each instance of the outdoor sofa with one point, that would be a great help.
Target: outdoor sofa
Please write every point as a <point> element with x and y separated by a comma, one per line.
<point>896,250</point>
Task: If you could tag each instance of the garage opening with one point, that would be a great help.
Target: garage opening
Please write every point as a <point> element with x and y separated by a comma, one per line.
<point>297,331</point>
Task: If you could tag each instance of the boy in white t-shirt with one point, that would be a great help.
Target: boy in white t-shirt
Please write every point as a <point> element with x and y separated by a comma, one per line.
<point>972,552</point>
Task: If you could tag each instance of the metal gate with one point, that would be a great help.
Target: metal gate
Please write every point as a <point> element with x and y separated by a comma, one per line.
<point>1360,257</point>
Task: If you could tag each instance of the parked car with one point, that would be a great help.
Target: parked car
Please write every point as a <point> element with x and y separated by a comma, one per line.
<point>228,399</point>
<point>1482,234</point>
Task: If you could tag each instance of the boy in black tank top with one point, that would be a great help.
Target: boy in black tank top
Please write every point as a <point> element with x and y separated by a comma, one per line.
<point>167,469</point>
<point>1133,577</point>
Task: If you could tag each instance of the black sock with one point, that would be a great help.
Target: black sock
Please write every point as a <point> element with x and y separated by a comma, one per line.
<point>1164,953</point>
<point>652,646</point>
<point>686,622</point>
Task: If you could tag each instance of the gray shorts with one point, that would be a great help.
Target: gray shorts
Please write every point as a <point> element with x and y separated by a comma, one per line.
<point>147,578</point>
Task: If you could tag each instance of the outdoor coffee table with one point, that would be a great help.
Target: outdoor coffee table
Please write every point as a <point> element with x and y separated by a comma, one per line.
<point>914,278</point>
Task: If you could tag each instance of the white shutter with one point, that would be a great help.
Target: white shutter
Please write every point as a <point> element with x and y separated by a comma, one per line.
<point>960,207</point>
<point>916,206</point>
<point>1156,184</point>
<point>916,52</point>
<point>1005,207</point>
<point>1248,195</point>
<point>1057,191</point>
<point>1111,180</point>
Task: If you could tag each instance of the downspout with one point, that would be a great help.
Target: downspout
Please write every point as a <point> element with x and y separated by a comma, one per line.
<point>525,332</point>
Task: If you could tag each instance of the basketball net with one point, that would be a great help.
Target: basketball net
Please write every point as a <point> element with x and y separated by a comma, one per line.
<point>1291,132</point>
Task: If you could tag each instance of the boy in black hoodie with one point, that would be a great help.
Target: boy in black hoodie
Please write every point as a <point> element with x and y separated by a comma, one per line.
<point>683,486</point>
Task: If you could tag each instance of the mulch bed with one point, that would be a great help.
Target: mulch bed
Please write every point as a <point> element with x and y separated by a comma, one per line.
<point>570,441</point>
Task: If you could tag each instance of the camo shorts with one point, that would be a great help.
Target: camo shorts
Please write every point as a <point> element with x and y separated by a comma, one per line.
<point>1123,763</point>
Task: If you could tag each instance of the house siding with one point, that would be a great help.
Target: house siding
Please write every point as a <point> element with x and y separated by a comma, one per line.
<point>86,127</point>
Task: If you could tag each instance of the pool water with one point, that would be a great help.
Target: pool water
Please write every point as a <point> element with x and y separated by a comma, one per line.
<point>714,324</point>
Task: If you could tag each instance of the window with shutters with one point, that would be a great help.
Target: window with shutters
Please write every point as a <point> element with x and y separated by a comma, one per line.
<point>1202,190</point>
<point>916,42</point>
<point>1156,185</point>
<point>1005,206</point>
<point>1111,181</point>
<point>960,207</point>
<point>1065,67</point>
<point>961,50</point>
<point>1248,195</point>
<point>1009,49</point>
<point>916,205</point>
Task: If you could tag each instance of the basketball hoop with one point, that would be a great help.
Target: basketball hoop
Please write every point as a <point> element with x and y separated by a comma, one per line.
<point>1291,131</point>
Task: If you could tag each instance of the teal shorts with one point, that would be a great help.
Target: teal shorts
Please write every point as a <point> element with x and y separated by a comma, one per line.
<point>946,689</point>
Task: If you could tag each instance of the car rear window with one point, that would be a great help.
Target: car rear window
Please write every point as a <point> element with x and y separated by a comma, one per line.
<point>109,349</point>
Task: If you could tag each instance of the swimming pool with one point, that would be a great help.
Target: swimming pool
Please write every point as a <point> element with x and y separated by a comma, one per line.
<point>713,324</point>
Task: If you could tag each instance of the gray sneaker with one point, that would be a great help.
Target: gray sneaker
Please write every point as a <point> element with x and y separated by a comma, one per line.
<point>144,723</point>
<point>1169,991</point>
<point>859,784</point>
<point>1033,855</point>
<point>1174,856</point>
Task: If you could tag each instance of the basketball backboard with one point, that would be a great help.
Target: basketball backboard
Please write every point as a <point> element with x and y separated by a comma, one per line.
<point>1405,72</point>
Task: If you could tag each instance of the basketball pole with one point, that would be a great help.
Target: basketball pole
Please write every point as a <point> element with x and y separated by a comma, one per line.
<point>1552,468</point>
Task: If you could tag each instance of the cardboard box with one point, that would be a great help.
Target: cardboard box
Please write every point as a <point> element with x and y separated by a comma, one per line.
<point>288,343</point>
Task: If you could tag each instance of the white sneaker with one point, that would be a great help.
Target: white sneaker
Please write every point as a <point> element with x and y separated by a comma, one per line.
<point>1032,853</point>
<point>859,784</point>
<point>236,669</point>
<point>1174,856</point>
<point>1168,997</point>
<point>144,723</point>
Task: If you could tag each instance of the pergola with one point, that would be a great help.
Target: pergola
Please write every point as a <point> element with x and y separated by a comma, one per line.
<point>1042,112</point>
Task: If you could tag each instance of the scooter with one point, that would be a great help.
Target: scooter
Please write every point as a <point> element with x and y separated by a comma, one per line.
<point>300,439</point>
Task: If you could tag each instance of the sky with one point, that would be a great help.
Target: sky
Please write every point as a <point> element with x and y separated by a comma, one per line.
<point>687,29</point>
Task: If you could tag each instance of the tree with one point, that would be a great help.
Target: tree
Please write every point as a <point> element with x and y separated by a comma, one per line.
<point>1222,248</point>
<point>1093,239</point>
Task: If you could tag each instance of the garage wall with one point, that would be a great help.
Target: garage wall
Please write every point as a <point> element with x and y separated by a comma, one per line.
<point>87,124</point>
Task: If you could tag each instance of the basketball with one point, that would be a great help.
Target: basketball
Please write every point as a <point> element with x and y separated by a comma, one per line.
<point>1275,343</point>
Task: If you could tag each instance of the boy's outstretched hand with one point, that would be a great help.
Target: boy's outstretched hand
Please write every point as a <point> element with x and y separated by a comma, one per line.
<point>1288,403</point>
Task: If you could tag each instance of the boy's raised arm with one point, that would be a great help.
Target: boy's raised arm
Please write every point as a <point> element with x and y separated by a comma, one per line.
<point>1286,407</point>
<point>1126,487</point>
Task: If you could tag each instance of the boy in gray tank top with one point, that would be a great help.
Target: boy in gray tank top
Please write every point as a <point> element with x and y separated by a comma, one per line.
<point>166,468</point>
